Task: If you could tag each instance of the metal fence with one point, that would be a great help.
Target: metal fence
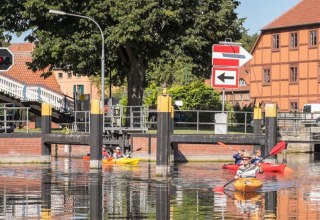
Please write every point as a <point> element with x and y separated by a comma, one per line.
<point>13,117</point>
<point>142,119</point>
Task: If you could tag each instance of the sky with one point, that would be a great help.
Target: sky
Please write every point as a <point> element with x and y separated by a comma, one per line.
<point>258,13</point>
<point>261,12</point>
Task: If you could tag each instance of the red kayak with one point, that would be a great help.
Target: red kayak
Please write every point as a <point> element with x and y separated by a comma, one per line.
<point>267,167</point>
<point>270,167</point>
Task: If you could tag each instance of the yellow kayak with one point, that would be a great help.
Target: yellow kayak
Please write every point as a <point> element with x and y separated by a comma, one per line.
<point>247,184</point>
<point>124,160</point>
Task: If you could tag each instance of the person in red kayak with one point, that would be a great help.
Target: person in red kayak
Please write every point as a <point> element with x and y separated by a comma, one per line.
<point>257,157</point>
<point>238,156</point>
<point>118,153</point>
<point>248,170</point>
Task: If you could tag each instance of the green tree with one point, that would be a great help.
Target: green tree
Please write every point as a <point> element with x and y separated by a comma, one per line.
<point>196,96</point>
<point>248,41</point>
<point>138,33</point>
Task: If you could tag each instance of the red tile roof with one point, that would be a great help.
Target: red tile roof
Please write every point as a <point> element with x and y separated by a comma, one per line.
<point>305,12</point>
<point>20,71</point>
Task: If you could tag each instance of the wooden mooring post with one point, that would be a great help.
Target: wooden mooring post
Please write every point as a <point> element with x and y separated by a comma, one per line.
<point>271,130</point>
<point>96,131</point>
<point>163,134</point>
<point>46,119</point>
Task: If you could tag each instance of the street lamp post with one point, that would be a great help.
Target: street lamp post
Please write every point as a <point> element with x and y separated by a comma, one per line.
<point>96,130</point>
<point>102,51</point>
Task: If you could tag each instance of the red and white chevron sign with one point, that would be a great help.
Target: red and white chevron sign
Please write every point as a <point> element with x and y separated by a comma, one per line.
<point>229,55</point>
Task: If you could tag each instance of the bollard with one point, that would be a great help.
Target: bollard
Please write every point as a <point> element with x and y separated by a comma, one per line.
<point>46,119</point>
<point>271,129</point>
<point>163,134</point>
<point>96,131</point>
<point>257,120</point>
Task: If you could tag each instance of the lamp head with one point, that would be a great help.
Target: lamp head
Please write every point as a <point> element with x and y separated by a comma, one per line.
<point>57,12</point>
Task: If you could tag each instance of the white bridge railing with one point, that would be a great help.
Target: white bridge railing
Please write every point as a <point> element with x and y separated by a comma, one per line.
<point>35,93</point>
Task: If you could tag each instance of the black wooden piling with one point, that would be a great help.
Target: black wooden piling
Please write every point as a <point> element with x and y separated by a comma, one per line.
<point>271,129</point>
<point>163,134</point>
<point>46,119</point>
<point>96,131</point>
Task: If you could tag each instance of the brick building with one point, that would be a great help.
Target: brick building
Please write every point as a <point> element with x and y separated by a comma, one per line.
<point>285,68</point>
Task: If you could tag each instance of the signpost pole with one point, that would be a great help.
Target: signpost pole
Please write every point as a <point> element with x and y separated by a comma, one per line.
<point>223,98</point>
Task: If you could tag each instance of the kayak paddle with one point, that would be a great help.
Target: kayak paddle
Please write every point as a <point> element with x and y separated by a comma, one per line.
<point>276,149</point>
<point>223,144</point>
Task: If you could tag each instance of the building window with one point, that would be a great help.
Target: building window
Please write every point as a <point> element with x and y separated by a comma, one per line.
<point>294,40</point>
<point>242,82</point>
<point>266,76</point>
<point>294,106</point>
<point>275,41</point>
<point>60,75</point>
<point>293,74</point>
<point>78,75</point>
<point>69,75</point>
<point>313,38</point>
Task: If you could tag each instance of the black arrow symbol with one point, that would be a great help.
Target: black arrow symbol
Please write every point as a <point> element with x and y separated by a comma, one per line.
<point>223,76</point>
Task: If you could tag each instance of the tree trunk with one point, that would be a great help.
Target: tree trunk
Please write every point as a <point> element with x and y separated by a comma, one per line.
<point>135,78</point>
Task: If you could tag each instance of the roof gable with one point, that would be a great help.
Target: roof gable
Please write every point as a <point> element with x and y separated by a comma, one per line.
<point>305,12</point>
<point>20,72</point>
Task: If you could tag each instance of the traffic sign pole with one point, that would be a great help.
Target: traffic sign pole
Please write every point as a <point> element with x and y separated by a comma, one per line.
<point>227,58</point>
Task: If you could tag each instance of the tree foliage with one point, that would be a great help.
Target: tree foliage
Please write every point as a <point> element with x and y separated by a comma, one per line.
<point>248,41</point>
<point>142,36</point>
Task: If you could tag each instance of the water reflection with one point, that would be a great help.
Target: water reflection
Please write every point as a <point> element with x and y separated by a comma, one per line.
<point>68,189</point>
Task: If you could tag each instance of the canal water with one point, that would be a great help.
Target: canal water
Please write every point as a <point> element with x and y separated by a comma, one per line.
<point>68,189</point>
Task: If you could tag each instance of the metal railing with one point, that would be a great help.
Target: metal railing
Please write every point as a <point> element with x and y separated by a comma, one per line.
<point>10,118</point>
<point>37,93</point>
<point>203,121</point>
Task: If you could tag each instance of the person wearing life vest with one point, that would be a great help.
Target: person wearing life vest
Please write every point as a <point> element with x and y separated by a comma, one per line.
<point>257,157</point>
<point>118,153</point>
<point>105,152</point>
<point>248,170</point>
<point>238,156</point>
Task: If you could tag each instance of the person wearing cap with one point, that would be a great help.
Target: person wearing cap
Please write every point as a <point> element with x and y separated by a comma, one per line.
<point>257,157</point>
<point>248,170</point>
<point>118,153</point>
<point>237,156</point>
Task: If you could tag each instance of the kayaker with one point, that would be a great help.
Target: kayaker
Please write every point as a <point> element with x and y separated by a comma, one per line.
<point>118,153</point>
<point>105,152</point>
<point>256,158</point>
<point>238,156</point>
<point>248,170</point>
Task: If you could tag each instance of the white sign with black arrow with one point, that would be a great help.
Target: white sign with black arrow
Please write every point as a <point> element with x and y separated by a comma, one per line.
<point>225,77</point>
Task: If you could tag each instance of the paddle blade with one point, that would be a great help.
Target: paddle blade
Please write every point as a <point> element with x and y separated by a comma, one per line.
<point>218,189</point>
<point>109,158</point>
<point>278,148</point>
